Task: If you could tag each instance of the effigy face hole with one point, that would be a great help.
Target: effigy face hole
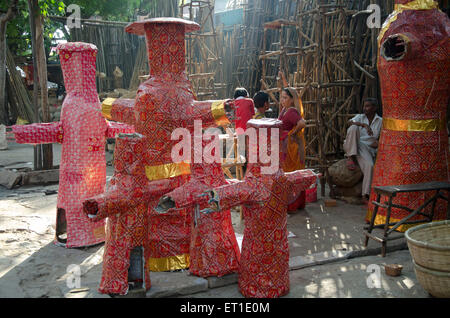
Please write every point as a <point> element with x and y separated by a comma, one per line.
<point>61,226</point>
<point>165,204</point>
<point>136,273</point>
<point>394,48</point>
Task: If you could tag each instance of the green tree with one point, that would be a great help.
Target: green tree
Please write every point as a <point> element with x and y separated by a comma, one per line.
<point>18,30</point>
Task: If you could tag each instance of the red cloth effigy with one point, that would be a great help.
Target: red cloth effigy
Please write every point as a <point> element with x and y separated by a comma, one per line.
<point>163,104</point>
<point>82,132</point>
<point>414,68</point>
<point>264,262</point>
<point>124,206</point>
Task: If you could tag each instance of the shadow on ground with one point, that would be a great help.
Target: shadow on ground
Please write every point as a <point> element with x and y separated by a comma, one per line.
<point>54,271</point>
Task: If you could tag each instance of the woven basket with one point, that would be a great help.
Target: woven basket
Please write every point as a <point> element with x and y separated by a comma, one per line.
<point>429,245</point>
<point>435,282</point>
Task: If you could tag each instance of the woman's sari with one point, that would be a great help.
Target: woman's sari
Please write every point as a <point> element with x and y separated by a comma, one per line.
<point>293,146</point>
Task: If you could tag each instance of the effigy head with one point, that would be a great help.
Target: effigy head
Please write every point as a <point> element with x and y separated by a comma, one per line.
<point>414,61</point>
<point>264,144</point>
<point>78,65</point>
<point>411,29</point>
<point>165,42</point>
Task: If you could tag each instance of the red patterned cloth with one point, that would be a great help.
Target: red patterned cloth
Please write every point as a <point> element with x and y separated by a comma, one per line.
<point>35,134</point>
<point>214,250</point>
<point>82,132</point>
<point>415,89</point>
<point>264,262</point>
<point>114,129</point>
<point>124,206</point>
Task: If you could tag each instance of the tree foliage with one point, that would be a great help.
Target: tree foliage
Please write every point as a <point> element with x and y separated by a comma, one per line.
<point>18,31</point>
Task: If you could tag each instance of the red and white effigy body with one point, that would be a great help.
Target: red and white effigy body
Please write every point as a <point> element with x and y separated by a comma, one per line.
<point>82,131</point>
<point>414,69</point>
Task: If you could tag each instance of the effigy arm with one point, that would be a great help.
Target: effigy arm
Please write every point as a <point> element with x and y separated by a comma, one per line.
<point>188,195</point>
<point>401,46</point>
<point>300,180</point>
<point>120,110</point>
<point>237,193</point>
<point>124,194</point>
<point>35,134</point>
<point>106,205</point>
<point>117,128</point>
<point>212,113</point>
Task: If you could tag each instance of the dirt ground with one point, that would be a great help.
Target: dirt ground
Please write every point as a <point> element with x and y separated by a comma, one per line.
<point>32,266</point>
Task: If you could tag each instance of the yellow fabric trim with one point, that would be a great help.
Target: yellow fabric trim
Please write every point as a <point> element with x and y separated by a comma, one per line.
<point>381,219</point>
<point>417,5</point>
<point>99,232</point>
<point>166,171</point>
<point>414,125</point>
<point>168,263</point>
<point>106,107</point>
<point>399,8</point>
<point>258,115</point>
<point>218,113</point>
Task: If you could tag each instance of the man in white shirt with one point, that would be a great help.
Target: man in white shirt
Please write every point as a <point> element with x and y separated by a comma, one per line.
<point>361,143</point>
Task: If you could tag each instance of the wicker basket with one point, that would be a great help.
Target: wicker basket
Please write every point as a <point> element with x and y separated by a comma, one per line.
<point>435,282</point>
<point>429,245</point>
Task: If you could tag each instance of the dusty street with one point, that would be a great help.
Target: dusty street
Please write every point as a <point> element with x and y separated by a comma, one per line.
<point>321,239</point>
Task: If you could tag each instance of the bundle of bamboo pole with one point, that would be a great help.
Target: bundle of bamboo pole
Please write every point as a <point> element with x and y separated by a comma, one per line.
<point>203,56</point>
<point>18,96</point>
<point>329,55</point>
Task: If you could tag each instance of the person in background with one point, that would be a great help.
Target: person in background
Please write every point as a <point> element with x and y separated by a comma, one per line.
<point>245,109</point>
<point>261,101</point>
<point>292,146</point>
<point>361,142</point>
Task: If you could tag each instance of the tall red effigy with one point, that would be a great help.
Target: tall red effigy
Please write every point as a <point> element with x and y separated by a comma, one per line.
<point>163,104</point>
<point>414,68</point>
<point>82,132</point>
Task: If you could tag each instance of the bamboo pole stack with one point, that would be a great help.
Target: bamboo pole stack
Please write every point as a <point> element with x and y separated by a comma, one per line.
<point>115,47</point>
<point>204,58</point>
<point>329,55</point>
<point>18,96</point>
<point>141,67</point>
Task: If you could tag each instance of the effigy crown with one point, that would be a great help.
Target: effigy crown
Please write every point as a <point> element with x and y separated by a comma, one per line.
<point>263,140</point>
<point>416,4</point>
<point>165,42</point>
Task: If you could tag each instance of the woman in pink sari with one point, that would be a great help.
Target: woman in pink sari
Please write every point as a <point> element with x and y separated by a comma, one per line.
<point>292,138</point>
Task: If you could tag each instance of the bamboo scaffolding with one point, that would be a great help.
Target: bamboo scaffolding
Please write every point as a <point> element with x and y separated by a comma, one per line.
<point>203,56</point>
<point>329,55</point>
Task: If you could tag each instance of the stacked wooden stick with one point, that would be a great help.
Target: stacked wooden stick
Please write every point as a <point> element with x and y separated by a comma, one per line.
<point>18,96</point>
<point>204,58</point>
<point>329,55</point>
